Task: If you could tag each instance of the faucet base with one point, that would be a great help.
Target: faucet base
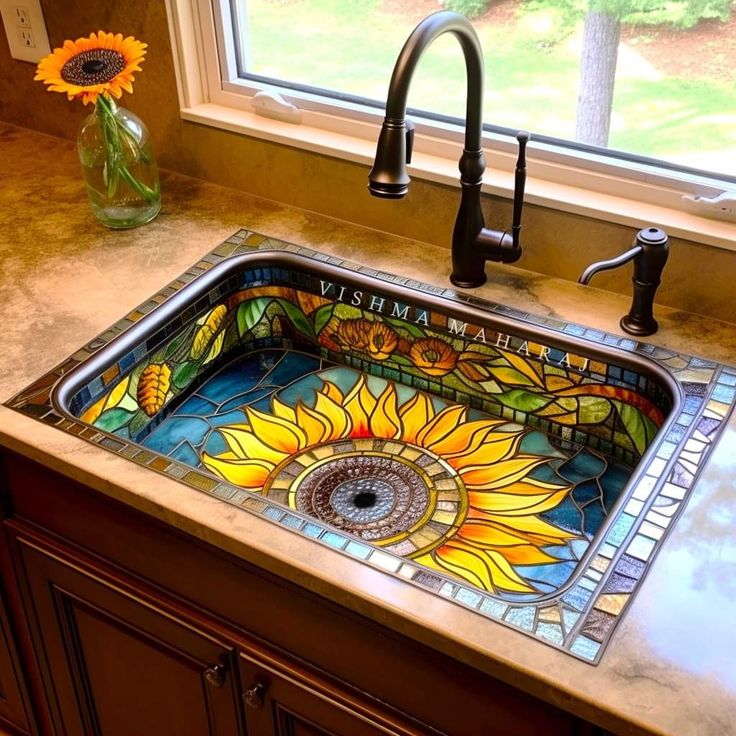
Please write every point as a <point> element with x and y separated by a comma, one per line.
<point>637,327</point>
<point>468,283</point>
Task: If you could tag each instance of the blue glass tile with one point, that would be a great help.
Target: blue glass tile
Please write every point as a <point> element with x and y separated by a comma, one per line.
<point>666,450</point>
<point>521,617</point>
<point>728,379</point>
<point>493,608</point>
<point>588,584</point>
<point>692,404</point>
<point>630,377</point>
<point>95,387</point>
<point>550,632</point>
<point>724,393</point>
<point>127,361</point>
<point>312,530</point>
<point>468,597</point>
<point>620,529</point>
<point>358,550</point>
<point>577,597</point>
<point>273,512</point>
<point>215,444</point>
<point>585,648</point>
<point>292,521</point>
<point>335,540</point>
<point>197,406</point>
<point>701,363</point>
<point>185,453</point>
<point>569,618</point>
<point>175,430</point>
<point>235,416</point>
<point>574,329</point>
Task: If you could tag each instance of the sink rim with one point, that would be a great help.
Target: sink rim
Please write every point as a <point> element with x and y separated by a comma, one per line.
<point>253,246</point>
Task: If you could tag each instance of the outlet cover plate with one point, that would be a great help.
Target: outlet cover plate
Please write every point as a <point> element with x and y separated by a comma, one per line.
<point>25,29</point>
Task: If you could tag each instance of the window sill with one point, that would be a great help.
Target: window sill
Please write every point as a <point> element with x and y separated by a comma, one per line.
<point>566,197</point>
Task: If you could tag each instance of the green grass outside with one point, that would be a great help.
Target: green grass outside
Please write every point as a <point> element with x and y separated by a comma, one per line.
<point>531,76</point>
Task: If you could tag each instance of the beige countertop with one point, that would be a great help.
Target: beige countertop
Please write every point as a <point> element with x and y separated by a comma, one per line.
<point>671,665</point>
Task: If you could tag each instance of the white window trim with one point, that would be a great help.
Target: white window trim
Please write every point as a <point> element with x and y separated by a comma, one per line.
<point>626,194</point>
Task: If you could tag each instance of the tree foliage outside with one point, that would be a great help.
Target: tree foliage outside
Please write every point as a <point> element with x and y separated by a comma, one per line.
<point>601,34</point>
<point>598,58</point>
<point>469,8</point>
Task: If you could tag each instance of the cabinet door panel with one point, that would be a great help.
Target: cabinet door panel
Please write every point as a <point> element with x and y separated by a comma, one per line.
<point>117,666</point>
<point>292,702</point>
<point>11,704</point>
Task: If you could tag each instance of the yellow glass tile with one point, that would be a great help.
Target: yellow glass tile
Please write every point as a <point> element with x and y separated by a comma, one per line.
<point>434,469</point>
<point>159,463</point>
<point>612,603</point>
<point>392,448</point>
<point>410,453</point>
<point>110,374</point>
<point>600,563</point>
<point>597,367</point>
<point>444,517</point>
<point>444,484</point>
<point>323,451</point>
<point>424,537</point>
<point>448,495</point>
<point>550,615</point>
<point>718,408</point>
<point>363,445</point>
<point>253,504</point>
<point>696,375</point>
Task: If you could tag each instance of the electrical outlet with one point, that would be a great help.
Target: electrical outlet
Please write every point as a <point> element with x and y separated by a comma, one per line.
<point>22,19</point>
<point>25,29</point>
<point>26,38</point>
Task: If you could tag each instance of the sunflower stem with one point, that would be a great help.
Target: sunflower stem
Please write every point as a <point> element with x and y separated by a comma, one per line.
<point>115,160</point>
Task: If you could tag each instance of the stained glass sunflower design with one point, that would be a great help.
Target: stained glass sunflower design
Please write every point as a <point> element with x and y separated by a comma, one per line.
<point>102,64</point>
<point>455,494</point>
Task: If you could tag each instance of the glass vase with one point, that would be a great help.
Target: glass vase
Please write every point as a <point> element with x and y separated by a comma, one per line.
<point>118,166</point>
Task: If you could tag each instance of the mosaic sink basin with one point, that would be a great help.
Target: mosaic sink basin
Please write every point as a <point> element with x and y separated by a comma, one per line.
<point>524,467</point>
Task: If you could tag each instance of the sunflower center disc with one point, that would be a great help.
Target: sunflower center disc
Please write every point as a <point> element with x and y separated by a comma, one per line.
<point>96,66</point>
<point>399,496</point>
<point>372,496</point>
<point>363,499</point>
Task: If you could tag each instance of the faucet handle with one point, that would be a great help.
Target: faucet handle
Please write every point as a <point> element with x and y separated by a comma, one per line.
<point>409,124</point>
<point>519,183</point>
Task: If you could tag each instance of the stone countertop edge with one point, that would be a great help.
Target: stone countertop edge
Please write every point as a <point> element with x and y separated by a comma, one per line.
<point>65,279</point>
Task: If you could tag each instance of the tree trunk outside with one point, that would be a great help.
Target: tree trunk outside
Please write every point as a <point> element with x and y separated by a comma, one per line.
<point>601,32</point>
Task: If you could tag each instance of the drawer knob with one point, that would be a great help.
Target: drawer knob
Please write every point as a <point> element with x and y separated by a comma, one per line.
<point>254,696</point>
<point>215,675</point>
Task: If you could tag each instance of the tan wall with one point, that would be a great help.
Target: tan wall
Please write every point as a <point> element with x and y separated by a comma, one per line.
<point>555,243</point>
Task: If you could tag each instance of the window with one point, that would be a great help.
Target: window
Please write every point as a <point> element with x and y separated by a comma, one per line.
<point>666,134</point>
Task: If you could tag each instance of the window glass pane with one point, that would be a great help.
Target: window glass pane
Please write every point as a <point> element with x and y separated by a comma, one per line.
<point>669,64</point>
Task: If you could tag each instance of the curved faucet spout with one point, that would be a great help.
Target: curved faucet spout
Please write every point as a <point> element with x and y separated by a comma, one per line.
<point>472,242</point>
<point>388,177</point>
<point>444,21</point>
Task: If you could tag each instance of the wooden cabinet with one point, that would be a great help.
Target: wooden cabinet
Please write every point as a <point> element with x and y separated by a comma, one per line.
<point>137,628</point>
<point>120,666</point>
<point>12,711</point>
<point>120,660</point>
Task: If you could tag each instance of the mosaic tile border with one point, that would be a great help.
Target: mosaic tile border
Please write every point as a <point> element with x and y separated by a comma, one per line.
<point>580,619</point>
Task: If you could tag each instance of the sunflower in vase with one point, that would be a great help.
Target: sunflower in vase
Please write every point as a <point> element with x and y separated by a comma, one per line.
<point>114,145</point>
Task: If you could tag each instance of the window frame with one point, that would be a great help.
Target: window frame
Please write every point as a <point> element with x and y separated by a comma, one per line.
<point>634,193</point>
